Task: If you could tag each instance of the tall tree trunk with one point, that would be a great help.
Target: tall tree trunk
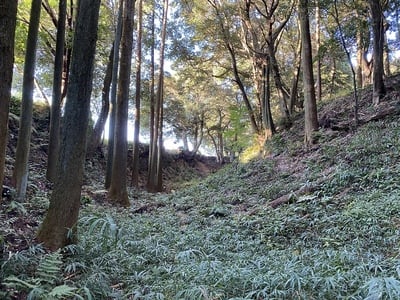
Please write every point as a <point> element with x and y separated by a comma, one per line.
<point>118,193</point>
<point>378,32</point>
<point>353,72</point>
<point>8,17</point>
<point>363,71</point>
<point>54,140</point>
<point>155,179</point>
<point>135,167</point>
<point>386,54</point>
<point>333,77</point>
<point>20,175</point>
<point>294,100</point>
<point>62,215</point>
<point>71,16</point>
<point>113,100</point>
<point>242,89</point>
<point>153,135</point>
<point>269,127</point>
<point>282,89</point>
<point>360,54</point>
<point>310,106</point>
<point>98,129</point>
<point>318,83</point>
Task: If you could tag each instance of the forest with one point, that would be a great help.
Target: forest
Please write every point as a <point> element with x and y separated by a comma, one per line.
<point>199,149</point>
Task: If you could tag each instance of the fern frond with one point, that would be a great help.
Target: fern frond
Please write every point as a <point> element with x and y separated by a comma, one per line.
<point>15,282</point>
<point>49,268</point>
<point>62,291</point>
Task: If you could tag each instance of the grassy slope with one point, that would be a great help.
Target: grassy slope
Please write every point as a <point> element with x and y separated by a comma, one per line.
<point>336,236</point>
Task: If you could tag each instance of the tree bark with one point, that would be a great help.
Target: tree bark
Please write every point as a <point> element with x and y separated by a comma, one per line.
<point>318,82</point>
<point>310,106</point>
<point>54,140</point>
<point>95,137</point>
<point>118,192</point>
<point>269,126</point>
<point>294,99</point>
<point>152,144</point>
<point>59,226</point>
<point>379,89</point>
<point>8,17</point>
<point>155,178</point>
<point>386,52</point>
<point>135,167</point>
<point>20,175</point>
<point>113,100</point>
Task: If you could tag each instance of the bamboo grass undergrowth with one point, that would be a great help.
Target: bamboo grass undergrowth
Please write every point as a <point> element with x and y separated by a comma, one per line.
<point>220,239</point>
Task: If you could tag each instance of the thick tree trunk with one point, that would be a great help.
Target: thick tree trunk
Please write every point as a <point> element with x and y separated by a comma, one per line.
<point>8,16</point>
<point>20,175</point>
<point>54,140</point>
<point>378,42</point>
<point>118,193</point>
<point>310,106</point>
<point>59,226</point>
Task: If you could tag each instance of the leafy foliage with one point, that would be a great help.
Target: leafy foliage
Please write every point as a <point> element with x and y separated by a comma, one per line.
<point>39,275</point>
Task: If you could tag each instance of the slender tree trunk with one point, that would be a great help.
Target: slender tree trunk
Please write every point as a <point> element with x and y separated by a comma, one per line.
<point>225,32</point>
<point>295,80</point>
<point>215,144</point>
<point>353,72</point>
<point>269,126</point>
<point>153,131</point>
<point>59,226</point>
<point>118,192</point>
<point>135,168</point>
<point>318,83</point>
<point>113,100</point>
<point>160,148</point>
<point>310,106</point>
<point>386,55</point>
<point>95,137</point>
<point>360,54</point>
<point>155,183</point>
<point>242,89</point>
<point>54,140</point>
<point>71,15</point>
<point>379,89</point>
<point>8,17</point>
<point>20,176</point>
<point>282,90</point>
<point>199,135</point>
<point>333,76</point>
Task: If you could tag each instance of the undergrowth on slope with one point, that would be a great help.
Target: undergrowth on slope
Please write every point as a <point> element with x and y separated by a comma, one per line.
<point>220,239</point>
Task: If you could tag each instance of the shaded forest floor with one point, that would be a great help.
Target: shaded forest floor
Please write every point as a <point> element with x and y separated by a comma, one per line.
<point>299,223</point>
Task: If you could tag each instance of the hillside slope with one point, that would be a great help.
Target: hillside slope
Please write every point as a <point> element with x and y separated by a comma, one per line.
<point>316,223</point>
